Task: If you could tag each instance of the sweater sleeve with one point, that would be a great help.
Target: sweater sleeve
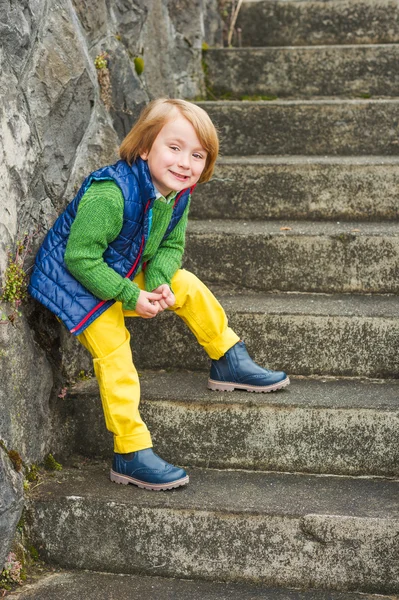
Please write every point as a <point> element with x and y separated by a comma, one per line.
<point>98,222</point>
<point>168,258</point>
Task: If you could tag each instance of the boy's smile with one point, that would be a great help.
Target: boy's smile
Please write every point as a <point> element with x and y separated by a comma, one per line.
<point>177,158</point>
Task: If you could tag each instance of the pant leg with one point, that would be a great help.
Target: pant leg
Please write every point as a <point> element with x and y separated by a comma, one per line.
<point>202,313</point>
<point>108,341</point>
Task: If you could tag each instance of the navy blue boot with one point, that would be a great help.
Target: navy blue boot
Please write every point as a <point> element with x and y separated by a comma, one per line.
<point>237,371</point>
<point>147,470</point>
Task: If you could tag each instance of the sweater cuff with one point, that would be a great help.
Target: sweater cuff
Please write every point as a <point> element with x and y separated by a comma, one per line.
<point>155,279</point>
<point>129,295</point>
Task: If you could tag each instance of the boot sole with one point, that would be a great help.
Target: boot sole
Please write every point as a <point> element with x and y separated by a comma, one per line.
<point>156,487</point>
<point>225,386</point>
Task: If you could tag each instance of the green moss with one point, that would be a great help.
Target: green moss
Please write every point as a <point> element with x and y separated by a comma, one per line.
<point>51,464</point>
<point>16,460</point>
<point>84,376</point>
<point>15,277</point>
<point>139,64</point>
<point>257,98</point>
<point>101,61</point>
<point>21,523</point>
<point>33,553</point>
<point>32,474</point>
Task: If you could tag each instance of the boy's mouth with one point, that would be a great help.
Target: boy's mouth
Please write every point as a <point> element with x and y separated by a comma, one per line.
<point>180,177</point>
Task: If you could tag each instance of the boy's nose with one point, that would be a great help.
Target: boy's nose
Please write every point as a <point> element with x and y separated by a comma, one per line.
<point>184,162</point>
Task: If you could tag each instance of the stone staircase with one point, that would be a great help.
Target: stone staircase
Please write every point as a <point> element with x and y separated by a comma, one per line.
<point>297,235</point>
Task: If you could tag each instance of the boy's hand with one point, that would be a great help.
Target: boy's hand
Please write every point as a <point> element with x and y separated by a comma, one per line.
<point>148,304</point>
<point>167,296</point>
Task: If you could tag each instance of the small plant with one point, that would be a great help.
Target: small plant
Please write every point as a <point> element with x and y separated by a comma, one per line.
<point>12,572</point>
<point>33,553</point>
<point>21,523</point>
<point>32,474</point>
<point>63,392</point>
<point>16,460</point>
<point>229,10</point>
<point>139,64</point>
<point>84,375</point>
<point>51,464</point>
<point>101,62</point>
<point>15,280</point>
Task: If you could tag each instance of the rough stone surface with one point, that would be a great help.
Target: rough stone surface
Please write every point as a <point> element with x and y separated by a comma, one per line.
<point>275,529</point>
<point>340,188</point>
<point>212,24</point>
<point>11,504</point>
<point>311,127</point>
<point>287,23</point>
<point>316,426</point>
<point>304,72</point>
<point>25,385</point>
<point>299,333</point>
<point>104,586</point>
<point>307,257</point>
<point>302,334</point>
<point>54,130</point>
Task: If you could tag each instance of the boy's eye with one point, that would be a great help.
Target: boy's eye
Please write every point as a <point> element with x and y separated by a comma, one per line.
<point>198,155</point>
<point>174,148</point>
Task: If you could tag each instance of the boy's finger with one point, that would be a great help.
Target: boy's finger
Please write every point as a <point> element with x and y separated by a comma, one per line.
<point>153,296</point>
<point>151,309</point>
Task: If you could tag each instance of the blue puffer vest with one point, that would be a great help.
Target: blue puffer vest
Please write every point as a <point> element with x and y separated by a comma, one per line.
<point>53,285</point>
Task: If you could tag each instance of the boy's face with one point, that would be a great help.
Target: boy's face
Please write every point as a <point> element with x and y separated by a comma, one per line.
<point>177,158</point>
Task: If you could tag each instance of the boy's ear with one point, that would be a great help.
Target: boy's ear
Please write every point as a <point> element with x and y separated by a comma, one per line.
<point>144,155</point>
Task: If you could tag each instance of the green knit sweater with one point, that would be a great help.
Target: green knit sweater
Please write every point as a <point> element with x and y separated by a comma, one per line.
<point>98,222</point>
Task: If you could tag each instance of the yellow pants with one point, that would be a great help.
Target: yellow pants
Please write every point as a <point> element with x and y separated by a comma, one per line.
<point>108,341</point>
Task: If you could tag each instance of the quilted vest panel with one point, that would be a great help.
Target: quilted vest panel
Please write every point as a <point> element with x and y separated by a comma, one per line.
<point>53,285</point>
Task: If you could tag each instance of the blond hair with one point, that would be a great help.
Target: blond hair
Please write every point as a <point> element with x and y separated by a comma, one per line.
<point>155,115</point>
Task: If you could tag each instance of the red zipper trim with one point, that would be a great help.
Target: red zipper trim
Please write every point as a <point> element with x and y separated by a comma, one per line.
<point>181,193</point>
<point>100,304</point>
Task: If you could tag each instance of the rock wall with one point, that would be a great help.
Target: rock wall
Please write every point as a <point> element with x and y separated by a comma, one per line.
<point>54,129</point>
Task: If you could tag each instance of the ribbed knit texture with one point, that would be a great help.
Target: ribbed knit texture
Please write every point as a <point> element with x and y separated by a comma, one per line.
<point>98,222</point>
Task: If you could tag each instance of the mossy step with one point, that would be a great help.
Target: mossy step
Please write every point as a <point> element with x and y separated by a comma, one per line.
<point>304,22</point>
<point>307,127</point>
<point>296,256</point>
<point>300,187</point>
<point>272,529</point>
<point>346,427</point>
<point>303,72</point>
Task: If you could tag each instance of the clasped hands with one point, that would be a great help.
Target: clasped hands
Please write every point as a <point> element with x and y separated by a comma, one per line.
<point>149,304</point>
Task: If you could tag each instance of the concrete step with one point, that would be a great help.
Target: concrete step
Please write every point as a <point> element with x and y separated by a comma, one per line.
<point>303,334</point>
<point>310,127</point>
<point>296,256</point>
<point>305,22</point>
<point>301,72</point>
<point>345,427</point>
<point>300,187</point>
<point>275,529</point>
<point>84,585</point>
